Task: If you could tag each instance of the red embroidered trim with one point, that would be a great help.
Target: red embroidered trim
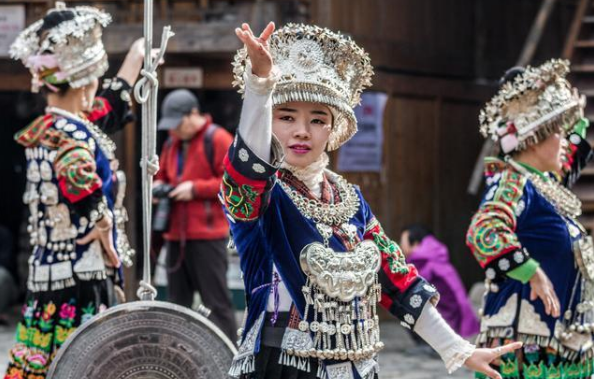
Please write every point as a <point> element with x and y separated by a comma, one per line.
<point>101,108</point>
<point>30,135</point>
<point>75,194</point>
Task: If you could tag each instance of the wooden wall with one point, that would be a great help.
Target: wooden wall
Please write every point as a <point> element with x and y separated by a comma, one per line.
<point>454,38</point>
<point>501,26</point>
<point>431,144</point>
<point>439,62</point>
<point>425,36</point>
<point>437,59</point>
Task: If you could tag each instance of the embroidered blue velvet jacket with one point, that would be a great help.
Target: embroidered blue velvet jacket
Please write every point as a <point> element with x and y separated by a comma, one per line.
<point>516,230</point>
<point>69,172</point>
<point>268,229</point>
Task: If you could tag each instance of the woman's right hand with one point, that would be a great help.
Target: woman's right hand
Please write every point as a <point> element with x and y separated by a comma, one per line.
<point>257,48</point>
<point>542,288</point>
<point>103,232</point>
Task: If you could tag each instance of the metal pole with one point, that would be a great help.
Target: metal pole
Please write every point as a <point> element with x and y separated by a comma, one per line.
<point>536,32</point>
<point>145,93</point>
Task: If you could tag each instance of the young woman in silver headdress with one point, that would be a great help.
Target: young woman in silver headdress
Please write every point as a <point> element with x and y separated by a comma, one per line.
<point>538,258</point>
<point>73,192</point>
<point>315,260</point>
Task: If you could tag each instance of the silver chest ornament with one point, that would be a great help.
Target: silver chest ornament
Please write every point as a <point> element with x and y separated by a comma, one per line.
<point>342,290</point>
<point>341,275</point>
<point>341,294</point>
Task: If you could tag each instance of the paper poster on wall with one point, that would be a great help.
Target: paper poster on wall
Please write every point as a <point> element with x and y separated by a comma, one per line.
<point>12,21</point>
<point>363,153</point>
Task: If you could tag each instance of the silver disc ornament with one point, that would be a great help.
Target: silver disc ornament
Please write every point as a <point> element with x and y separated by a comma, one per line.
<point>145,339</point>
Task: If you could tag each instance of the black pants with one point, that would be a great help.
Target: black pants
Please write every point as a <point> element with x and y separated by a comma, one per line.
<point>202,267</point>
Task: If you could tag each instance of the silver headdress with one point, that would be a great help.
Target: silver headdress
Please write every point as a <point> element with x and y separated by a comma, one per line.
<point>72,51</point>
<point>320,66</point>
<point>527,110</point>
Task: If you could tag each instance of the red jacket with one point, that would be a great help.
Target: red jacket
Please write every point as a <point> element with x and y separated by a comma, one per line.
<point>202,217</point>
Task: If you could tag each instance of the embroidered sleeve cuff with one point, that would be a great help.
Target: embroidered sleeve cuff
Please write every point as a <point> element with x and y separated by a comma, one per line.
<point>452,348</point>
<point>111,107</point>
<point>581,127</point>
<point>408,305</point>
<point>502,265</point>
<point>248,164</point>
<point>248,180</point>
<point>583,149</point>
<point>260,86</point>
<point>578,154</point>
<point>457,355</point>
<point>524,272</point>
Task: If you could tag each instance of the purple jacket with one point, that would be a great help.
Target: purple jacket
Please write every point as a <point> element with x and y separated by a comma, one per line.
<point>432,260</point>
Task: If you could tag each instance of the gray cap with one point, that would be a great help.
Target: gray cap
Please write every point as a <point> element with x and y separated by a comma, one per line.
<point>176,105</point>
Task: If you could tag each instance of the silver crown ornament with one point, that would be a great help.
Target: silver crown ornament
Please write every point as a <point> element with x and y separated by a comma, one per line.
<point>320,66</point>
<point>75,44</point>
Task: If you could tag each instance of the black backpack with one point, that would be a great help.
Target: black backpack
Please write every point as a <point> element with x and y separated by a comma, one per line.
<point>208,145</point>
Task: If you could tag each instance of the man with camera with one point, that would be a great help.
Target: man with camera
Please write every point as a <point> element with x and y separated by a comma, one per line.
<point>188,211</point>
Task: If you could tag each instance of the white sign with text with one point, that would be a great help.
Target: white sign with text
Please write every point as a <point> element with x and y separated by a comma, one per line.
<point>174,77</point>
<point>363,152</point>
<point>12,21</point>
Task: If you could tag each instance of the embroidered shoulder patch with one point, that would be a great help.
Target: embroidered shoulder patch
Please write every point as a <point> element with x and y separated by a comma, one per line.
<point>492,229</point>
<point>32,133</point>
<point>395,257</point>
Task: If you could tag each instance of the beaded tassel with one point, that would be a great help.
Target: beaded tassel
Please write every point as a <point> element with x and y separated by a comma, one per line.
<point>341,330</point>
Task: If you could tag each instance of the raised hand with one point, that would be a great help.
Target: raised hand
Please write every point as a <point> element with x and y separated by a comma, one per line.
<point>134,60</point>
<point>480,359</point>
<point>257,48</point>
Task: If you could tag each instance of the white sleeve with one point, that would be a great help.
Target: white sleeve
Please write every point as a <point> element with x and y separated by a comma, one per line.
<point>255,123</point>
<point>453,349</point>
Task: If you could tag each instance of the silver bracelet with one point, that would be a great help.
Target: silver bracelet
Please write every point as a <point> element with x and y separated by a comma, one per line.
<point>97,214</point>
<point>104,229</point>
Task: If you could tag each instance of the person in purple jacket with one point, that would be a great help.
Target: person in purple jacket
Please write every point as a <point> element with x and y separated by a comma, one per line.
<point>431,257</point>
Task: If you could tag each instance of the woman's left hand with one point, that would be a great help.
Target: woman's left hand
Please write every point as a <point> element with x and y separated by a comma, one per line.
<point>480,359</point>
<point>134,61</point>
<point>103,233</point>
<point>138,51</point>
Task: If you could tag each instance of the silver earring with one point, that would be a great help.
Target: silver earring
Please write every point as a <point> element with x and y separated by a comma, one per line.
<point>85,101</point>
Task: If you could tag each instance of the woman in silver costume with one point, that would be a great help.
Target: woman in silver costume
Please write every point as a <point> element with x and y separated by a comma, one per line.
<point>315,260</point>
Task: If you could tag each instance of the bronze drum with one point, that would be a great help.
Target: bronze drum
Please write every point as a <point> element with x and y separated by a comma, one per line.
<point>148,340</point>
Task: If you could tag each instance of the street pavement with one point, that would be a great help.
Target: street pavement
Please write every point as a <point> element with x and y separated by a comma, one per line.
<point>400,359</point>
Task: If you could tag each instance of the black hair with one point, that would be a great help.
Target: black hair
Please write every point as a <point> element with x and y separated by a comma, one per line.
<point>416,233</point>
<point>53,19</point>
<point>50,21</point>
<point>62,89</point>
<point>511,74</point>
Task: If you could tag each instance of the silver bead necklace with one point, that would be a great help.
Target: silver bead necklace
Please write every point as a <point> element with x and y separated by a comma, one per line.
<point>565,202</point>
<point>105,143</point>
<point>328,214</point>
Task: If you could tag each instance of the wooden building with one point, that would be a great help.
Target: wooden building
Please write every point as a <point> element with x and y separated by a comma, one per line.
<point>438,60</point>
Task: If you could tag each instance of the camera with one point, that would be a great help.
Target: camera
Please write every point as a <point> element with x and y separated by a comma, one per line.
<point>163,207</point>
